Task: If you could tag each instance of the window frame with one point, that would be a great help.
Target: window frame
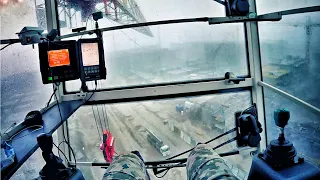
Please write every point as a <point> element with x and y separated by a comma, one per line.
<point>179,89</point>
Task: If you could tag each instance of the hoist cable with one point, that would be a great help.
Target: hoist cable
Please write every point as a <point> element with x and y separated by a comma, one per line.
<point>103,112</point>
<point>107,118</point>
<point>106,115</point>
<point>95,117</point>
<point>101,126</point>
<point>100,119</point>
<point>98,115</point>
<point>100,136</point>
<point>100,108</point>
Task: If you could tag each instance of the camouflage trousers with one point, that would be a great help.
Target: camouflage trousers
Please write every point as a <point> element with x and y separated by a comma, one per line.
<point>205,163</point>
<point>126,166</point>
<point>202,163</point>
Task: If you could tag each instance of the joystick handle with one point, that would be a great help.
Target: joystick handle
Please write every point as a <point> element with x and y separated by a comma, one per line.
<point>45,142</point>
<point>281,117</point>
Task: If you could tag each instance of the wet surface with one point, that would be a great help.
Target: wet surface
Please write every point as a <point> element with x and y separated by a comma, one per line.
<point>20,94</point>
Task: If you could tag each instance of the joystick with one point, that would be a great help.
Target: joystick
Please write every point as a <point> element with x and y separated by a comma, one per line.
<point>280,161</point>
<point>280,152</point>
<point>54,168</point>
<point>54,164</point>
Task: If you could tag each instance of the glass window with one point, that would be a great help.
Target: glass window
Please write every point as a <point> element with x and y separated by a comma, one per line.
<point>30,169</point>
<point>168,53</point>
<point>21,85</point>
<point>76,14</point>
<point>303,128</point>
<point>267,6</point>
<point>179,123</point>
<point>290,55</point>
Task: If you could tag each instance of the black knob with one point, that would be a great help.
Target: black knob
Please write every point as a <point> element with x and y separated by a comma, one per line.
<point>281,117</point>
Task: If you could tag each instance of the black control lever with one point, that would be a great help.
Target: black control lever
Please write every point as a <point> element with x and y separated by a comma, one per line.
<point>230,77</point>
<point>54,168</point>
<point>248,127</point>
<point>45,142</point>
<point>54,164</point>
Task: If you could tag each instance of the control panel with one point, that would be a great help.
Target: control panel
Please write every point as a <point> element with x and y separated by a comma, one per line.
<point>92,63</point>
<point>58,61</point>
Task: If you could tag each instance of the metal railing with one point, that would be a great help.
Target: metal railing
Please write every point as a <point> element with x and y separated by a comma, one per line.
<point>290,97</point>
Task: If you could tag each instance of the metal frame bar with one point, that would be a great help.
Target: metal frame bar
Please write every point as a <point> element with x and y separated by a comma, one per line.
<point>157,84</point>
<point>51,13</point>
<point>253,46</point>
<point>212,20</point>
<point>266,17</point>
<point>164,91</point>
<point>290,97</point>
<point>53,23</point>
<point>153,164</point>
<point>301,10</point>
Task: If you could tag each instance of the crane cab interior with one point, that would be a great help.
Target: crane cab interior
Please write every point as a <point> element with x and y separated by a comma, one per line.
<point>89,80</point>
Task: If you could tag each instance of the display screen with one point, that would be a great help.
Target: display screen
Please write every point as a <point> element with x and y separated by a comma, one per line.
<point>90,54</point>
<point>59,58</point>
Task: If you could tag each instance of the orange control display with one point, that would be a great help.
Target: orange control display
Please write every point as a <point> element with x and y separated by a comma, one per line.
<point>59,58</point>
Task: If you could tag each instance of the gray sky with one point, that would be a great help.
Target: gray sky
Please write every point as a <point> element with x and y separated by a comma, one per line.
<point>175,33</point>
<point>265,6</point>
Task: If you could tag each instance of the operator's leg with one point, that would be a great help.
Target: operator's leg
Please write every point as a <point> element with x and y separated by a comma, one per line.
<point>205,163</point>
<point>126,166</point>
